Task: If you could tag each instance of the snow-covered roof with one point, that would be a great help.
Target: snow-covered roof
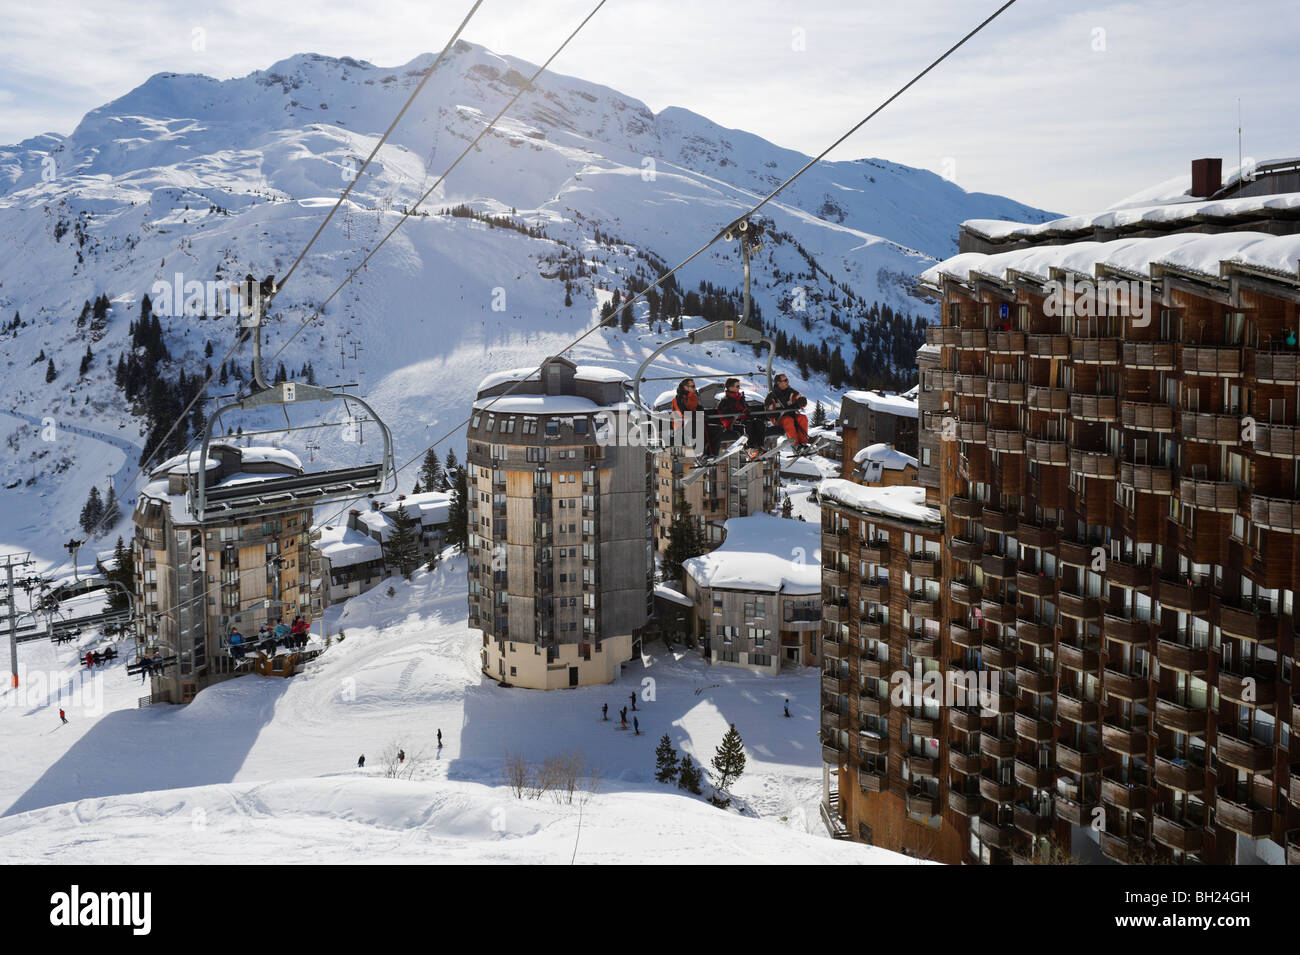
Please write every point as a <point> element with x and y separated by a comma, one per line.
<point>1205,253</point>
<point>599,373</point>
<point>539,404</point>
<point>670,594</point>
<point>900,405</point>
<point>810,466</point>
<point>906,503</point>
<point>885,456</point>
<point>826,434</point>
<point>345,546</point>
<point>507,376</point>
<point>263,455</point>
<point>188,462</point>
<point>427,507</point>
<point>762,553</point>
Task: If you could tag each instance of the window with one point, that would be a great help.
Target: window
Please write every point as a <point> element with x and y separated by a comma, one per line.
<point>552,429</point>
<point>529,426</point>
<point>579,425</point>
<point>507,425</point>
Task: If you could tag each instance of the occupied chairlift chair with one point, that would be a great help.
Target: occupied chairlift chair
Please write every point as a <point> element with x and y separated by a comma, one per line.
<point>278,494</point>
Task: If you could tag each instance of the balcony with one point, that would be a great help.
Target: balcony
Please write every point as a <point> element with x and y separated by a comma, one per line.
<point>972,432</point>
<point>995,657</point>
<point>874,551</point>
<point>1185,596</point>
<point>1223,362</point>
<point>832,720</point>
<point>1075,710</point>
<point>1211,428</point>
<point>1121,573</point>
<point>1007,343</point>
<point>992,790</point>
<point>876,589</point>
<point>964,764</point>
<point>1034,727</point>
<point>1049,346</point>
<point>1006,442</point>
<point>965,593</point>
<point>1120,848</point>
<point>1277,440</point>
<point>1035,680</point>
<point>1126,685</point>
<point>1275,514</point>
<point>834,612</point>
<point>923,608</point>
<point>832,577</point>
<point>964,507</point>
<point>1131,794</point>
<point>972,386</point>
<point>972,339</point>
<point>962,549</point>
<point>998,521</point>
<point>1076,761</point>
<point>1037,536</point>
<point>942,335</point>
<point>1095,351</point>
<point>1049,400</point>
<point>1246,818</point>
<point>1182,835</point>
<point>871,780</point>
<point>1178,773</point>
<point>997,610</point>
<point>1256,623</point>
<point>1253,686</point>
<point>1078,606</point>
<point>1076,553</point>
<point>1094,407</point>
<point>1052,453</point>
<point>873,669</point>
<point>833,649</point>
<point>872,705</point>
<point>1219,496</point>
<point>1069,653</point>
<point>1149,356</point>
<point>1237,749</point>
<point>834,683</point>
<point>997,748</point>
<point>873,628</point>
<point>832,754</point>
<point>921,765</point>
<point>963,636</point>
<point>1126,630</point>
<point>997,567</point>
<point>1008,392</point>
<point>1001,704</point>
<point>1067,810</point>
<point>1280,368</point>
<point>923,566</point>
<point>923,646</point>
<point>1029,584</point>
<point>1098,464</point>
<point>1034,776</point>
<point>994,834</point>
<point>1127,740</point>
<point>872,744</point>
<point>1147,416</point>
<point>1146,478</point>
<point>1179,717</point>
<point>963,804</point>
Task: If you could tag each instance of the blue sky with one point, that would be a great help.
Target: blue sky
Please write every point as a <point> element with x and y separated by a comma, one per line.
<point>1065,105</point>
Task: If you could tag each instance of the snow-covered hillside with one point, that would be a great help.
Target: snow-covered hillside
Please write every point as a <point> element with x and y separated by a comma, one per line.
<point>190,179</point>
<point>262,769</point>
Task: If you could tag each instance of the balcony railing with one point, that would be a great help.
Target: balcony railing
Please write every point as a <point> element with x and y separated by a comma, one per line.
<point>1079,606</point>
<point>1035,680</point>
<point>1254,623</point>
<point>1146,478</point>
<point>1080,762</point>
<point>874,551</point>
<point>923,607</point>
<point>995,657</point>
<point>1184,595</point>
<point>1007,392</point>
<point>1007,343</point>
<point>964,550</point>
<point>973,386</point>
<point>1075,709</point>
<point>998,747</point>
<point>1181,834</point>
<point>1123,573</point>
<point>1178,773</point>
<point>1052,400</point>
<point>1180,717</point>
<point>871,780</point>
<point>1006,442</point>
<point>1049,346</point>
<point>1037,536</point>
<point>1099,464</point>
<point>876,590</point>
<point>972,339</point>
<point>1275,514</point>
<point>1218,496</point>
<point>1281,368</point>
<point>1252,686</point>
<point>1237,749</point>
<point>1182,657</point>
<point>1094,407</point>
<point>1149,356</point>
<point>1211,360</point>
<point>1243,817</point>
<point>1034,776</point>
<point>1147,416</point>
<point>963,804</point>
<point>1031,584</point>
<point>1096,351</point>
<point>1126,630</point>
<point>1277,440</point>
<point>964,507</point>
<point>1050,452</point>
<point>1034,727</point>
<point>1124,737</point>
<point>995,835</point>
<point>942,335</point>
<point>1070,653</point>
<point>1129,793</point>
<point>1211,428</point>
<point>993,789</point>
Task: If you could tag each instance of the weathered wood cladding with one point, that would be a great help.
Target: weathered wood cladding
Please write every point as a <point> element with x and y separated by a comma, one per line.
<point>1179,504</point>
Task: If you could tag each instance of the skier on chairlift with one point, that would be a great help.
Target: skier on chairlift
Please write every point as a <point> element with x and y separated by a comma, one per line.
<point>784,399</point>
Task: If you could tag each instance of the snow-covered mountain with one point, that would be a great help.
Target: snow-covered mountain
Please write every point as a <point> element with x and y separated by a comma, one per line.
<point>192,179</point>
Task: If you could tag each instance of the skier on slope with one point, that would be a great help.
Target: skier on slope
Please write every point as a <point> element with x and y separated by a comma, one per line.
<point>63,716</point>
<point>604,712</point>
<point>636,726</point>
<point>361,763</point>
<point>787,709</point>
<point>440,739</point>
<point>401,755</point>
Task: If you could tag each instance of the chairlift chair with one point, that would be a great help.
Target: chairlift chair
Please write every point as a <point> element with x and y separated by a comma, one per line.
<point>290,492</point>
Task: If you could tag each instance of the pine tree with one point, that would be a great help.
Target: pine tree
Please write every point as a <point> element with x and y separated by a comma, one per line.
<point>666,766</point>
<point>92,510</point>
<point>818,416</point>
<point>458,514</point>
<point>123,573</point>
<point>416,489</point>
<point>402,550</point>
<point>451,465</point>
<point>787,506</point>
<point>50,373</point>
<point>112,513</point>
<point>729,760</point>
<point>86,359</point>
<point>689,776</point>
<point>684,542</point>
<point>568,298</point>
<point>431,472</point>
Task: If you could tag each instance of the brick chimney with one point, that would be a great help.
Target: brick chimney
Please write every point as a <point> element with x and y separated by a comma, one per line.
<point>1207,177</point>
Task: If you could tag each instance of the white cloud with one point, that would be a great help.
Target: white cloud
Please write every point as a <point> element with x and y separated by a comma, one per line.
<point>1031,108</point>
